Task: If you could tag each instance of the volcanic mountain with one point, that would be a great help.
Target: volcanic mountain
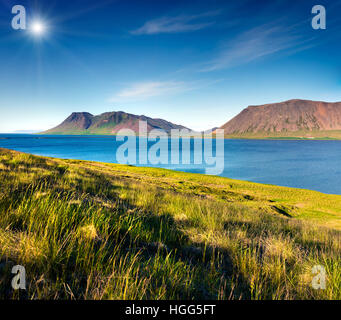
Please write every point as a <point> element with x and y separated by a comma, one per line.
<point>300,116</point>
<point>108,123</point>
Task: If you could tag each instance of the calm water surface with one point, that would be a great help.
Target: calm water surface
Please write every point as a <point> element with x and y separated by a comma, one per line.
<point>314,165</point>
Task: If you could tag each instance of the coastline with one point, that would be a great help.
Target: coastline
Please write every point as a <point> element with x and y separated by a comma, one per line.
<point>291,201</point>
<point>113,231</point>
<point>319,136</point>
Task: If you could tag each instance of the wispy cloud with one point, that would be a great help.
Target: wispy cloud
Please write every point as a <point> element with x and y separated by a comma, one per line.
<point>145,90</point>
<point>254,44</point>
<point>181,23</point>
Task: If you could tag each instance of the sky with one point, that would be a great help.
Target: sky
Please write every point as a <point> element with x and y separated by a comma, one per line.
<point>196,63</point>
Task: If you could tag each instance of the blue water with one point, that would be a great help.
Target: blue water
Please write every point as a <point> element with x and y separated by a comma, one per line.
<point>314,165</point>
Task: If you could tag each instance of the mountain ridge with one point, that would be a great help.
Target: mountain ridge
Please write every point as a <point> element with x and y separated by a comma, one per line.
<point>295,118</point>
<point>108,123</point>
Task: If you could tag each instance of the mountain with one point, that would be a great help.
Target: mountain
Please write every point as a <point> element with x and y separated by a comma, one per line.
<point>108,123</point>
<point>302,117</point>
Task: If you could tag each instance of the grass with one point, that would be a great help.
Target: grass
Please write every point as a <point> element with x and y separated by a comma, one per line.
<point>290,135</point>
<point>87,230</point>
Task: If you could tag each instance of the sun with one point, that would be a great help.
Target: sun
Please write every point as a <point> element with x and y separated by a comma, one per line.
<point>38,28</point>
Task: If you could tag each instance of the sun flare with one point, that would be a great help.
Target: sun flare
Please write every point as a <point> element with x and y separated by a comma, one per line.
<point>38,28</point>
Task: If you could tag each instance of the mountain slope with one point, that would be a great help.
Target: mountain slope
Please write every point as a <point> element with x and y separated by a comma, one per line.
<point>108,123</point>
<point>300,116</point>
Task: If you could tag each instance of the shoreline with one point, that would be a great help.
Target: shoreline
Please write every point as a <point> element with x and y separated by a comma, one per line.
<point>76,219</point>
<point>226,137</point>
<point>248,178</point>
<point>144,167</point>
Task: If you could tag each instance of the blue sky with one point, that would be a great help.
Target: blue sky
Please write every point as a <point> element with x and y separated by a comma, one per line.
<point>195,63</point>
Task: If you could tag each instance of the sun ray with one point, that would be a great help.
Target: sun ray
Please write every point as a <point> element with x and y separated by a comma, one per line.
<point>38,28</point>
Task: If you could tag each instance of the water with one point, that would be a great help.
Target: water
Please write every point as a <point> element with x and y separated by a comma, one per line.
<point>314,165</point>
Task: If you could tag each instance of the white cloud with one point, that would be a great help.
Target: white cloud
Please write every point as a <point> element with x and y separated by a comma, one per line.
<point>254,44</point>
<point>181,23</point>
<point>144,90</point>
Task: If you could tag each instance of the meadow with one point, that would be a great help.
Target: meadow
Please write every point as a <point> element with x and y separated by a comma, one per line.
<point>295,135</point>
<point>90,230</point>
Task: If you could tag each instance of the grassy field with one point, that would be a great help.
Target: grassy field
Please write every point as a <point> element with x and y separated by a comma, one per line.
<point>291,135</point>
<point>87,230</point>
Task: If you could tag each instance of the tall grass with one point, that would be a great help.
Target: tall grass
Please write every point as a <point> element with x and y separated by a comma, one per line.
<point>85,231</point>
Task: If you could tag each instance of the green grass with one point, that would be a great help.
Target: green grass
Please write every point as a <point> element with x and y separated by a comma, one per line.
<point>290,135</point>
<point>87,230</point>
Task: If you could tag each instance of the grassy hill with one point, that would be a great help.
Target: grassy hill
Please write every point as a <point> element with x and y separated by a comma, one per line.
<point>87,230</point>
